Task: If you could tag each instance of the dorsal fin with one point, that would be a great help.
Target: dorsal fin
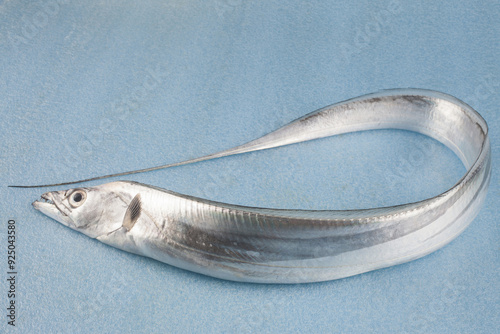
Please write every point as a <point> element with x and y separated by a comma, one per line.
<point>133,212</point>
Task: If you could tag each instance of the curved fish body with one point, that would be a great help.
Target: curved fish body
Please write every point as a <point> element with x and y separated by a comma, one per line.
<point>265,245</point>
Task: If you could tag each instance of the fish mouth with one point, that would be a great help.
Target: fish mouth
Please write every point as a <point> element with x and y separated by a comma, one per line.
<point>45,198</point>
<point>51,205</point>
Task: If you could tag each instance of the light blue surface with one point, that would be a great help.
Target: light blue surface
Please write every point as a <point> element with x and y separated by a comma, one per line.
<point>97,87</point>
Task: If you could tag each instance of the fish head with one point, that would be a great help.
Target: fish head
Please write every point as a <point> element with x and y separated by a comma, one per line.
<point>94,211</point>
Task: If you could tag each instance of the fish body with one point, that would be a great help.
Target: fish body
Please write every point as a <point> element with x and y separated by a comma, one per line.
<point>266,245</point>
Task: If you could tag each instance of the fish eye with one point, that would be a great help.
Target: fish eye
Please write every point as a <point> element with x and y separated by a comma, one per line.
<point>77,198</point>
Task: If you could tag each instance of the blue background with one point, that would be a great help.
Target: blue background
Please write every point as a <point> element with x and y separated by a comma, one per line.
<point>99,87</point>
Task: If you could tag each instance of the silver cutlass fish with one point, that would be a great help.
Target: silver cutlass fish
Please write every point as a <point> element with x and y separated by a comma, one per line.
<point>265,245</point>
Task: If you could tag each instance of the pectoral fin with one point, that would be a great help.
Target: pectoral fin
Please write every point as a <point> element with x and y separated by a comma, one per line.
<point>133,213</point>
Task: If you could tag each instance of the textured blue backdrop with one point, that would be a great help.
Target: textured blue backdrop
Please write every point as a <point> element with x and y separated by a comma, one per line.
<point>95,87</point>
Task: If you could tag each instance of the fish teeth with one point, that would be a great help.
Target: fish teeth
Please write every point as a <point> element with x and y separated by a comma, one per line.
<point>47,198</point>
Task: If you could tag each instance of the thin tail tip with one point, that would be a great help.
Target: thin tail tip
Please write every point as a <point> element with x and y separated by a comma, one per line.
<point>18,186</point>
<point>40,185</point>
